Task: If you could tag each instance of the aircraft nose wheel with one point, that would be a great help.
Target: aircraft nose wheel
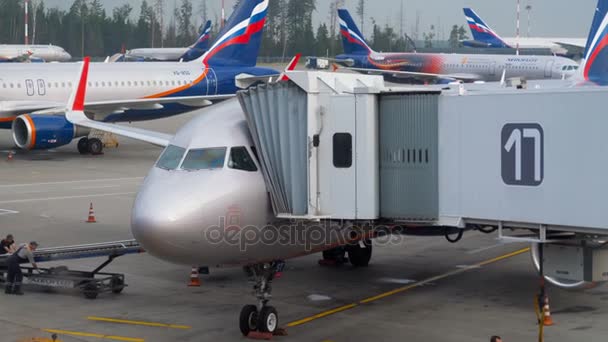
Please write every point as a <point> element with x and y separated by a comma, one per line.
<point>261,318</point>
<point>268,320</point>
<point>248,321</point>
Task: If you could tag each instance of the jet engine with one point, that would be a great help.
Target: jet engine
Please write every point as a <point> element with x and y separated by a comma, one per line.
<point>39,132</point>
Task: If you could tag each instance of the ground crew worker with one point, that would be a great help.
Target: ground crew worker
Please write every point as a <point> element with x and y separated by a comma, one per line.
<point>7,246</point>
<point>23,254</point>
<point>495,339</point>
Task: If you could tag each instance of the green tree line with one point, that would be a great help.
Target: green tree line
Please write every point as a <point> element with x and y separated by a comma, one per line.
<point>87,29</point>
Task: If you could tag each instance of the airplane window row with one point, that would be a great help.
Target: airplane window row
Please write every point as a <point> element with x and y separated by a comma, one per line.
<point>108,84</point>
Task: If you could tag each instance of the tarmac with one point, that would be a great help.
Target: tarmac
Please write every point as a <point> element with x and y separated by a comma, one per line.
<point>415,289</point>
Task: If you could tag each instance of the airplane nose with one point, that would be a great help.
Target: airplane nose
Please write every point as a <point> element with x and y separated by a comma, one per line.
<point>159,218</point>
<point>175,210</point>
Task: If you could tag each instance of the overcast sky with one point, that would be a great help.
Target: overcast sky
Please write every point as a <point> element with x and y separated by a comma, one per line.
<point>566,19</point>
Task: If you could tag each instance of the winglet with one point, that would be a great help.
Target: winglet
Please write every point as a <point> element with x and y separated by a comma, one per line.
<point>76,101</point>
<point>291,67</point>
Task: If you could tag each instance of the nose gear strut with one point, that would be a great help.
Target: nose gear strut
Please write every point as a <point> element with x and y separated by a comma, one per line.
<point>261,317</point>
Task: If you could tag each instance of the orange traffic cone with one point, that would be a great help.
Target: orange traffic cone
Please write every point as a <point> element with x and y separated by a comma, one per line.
<point>91,218</point>
<point>548,321</point>
<point>194,279</point>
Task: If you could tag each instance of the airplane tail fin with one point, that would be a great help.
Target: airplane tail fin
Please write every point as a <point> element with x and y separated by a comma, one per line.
<point>203,41</point>
<point>238,43</point>
<point>482,33</point>
<point>594,66</point>
<point>352,38</point>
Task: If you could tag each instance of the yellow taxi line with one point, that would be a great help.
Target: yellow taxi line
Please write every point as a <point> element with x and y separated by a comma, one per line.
<point>405,288</point>
<point>142,323</point>
<point>85,334</point>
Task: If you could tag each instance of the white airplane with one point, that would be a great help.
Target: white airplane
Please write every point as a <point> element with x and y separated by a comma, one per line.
<point>484,36</point>
<point>32,96</point>
<point>185,54</point>
<point>43,53</point>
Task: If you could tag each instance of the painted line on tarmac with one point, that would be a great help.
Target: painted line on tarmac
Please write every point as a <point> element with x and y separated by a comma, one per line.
<point>404,288</point>
<point>142,323</point>
<point>102,336</point>
<point>90,187</point>
<point>66,197</point>
<point>73,182</point>
<point>8,212</point>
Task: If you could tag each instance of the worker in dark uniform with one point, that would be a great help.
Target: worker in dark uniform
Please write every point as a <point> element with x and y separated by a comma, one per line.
<point>7,246</point>
<point>23,254</point>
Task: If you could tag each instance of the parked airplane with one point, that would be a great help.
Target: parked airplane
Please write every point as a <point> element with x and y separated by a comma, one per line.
<point>127,92</point>
<point>412,67</point>
<point>34,53</point>
<point>186,54</point>
<point>485,37</point>
<point>208,180</point>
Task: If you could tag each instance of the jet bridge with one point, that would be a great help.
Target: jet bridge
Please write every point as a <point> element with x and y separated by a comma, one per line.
<point>349,147</point>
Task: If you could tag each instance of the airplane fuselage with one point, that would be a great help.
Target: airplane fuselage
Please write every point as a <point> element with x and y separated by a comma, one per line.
<point>160,54</point>
<point>48,53</point>
<point>481,67</point>
<point>38,83</point>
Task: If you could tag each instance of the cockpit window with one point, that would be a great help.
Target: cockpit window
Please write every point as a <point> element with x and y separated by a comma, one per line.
<point>171,157</point>
<point>205,159</point>
<point>240,159</point>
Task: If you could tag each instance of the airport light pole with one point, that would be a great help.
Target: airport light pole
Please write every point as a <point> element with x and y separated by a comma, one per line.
<point>223,15</point>
<point>529,9</point>
<point>518,12</point>
<point>27,37</point>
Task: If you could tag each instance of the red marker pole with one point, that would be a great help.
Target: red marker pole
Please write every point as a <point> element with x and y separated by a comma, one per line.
<point>27,37</point>
<point>223,15</point>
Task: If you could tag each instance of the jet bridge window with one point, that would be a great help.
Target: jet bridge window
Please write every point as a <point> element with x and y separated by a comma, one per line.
<point>343,150</point>
<point>240,159</point>
<point>205,159</point>
<point>171,157</point>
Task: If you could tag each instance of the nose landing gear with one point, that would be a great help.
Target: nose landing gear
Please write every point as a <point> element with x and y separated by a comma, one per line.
<point>261,317</point>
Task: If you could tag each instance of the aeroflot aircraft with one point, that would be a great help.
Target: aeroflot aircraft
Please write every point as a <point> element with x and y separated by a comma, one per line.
<point>29,93</point>
<point>484,36</point>
<point>400,67</point>
<point>42,53</point>
<point>209,172</point>
<point>186,54</point>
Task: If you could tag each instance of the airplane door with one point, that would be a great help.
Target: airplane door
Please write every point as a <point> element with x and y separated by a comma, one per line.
<point>493,69</point>
<point>29,86</point>
<point>211,82</point>
<point>549,69</point>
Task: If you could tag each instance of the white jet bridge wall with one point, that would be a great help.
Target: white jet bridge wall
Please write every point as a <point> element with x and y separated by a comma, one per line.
<point>538,157</point>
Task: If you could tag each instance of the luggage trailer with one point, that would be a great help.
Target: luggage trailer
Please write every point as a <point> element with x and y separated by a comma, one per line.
<point>90,283</point>
<point>528,160</point>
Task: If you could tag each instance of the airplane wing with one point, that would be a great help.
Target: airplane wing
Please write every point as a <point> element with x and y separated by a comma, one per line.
<point>572,48</point>
<point>417,75</point>
<point>106,107</point>
<point>75,115</point>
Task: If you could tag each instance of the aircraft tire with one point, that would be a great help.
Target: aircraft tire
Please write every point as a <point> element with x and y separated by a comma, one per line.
<point>268,320</point>
<point>83,146</point>
<point>360,256</point>
<point>95,146</point>
<point>248,319</point>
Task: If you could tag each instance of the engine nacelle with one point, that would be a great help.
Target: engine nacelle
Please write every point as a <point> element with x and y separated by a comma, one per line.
<point>39,132</point>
